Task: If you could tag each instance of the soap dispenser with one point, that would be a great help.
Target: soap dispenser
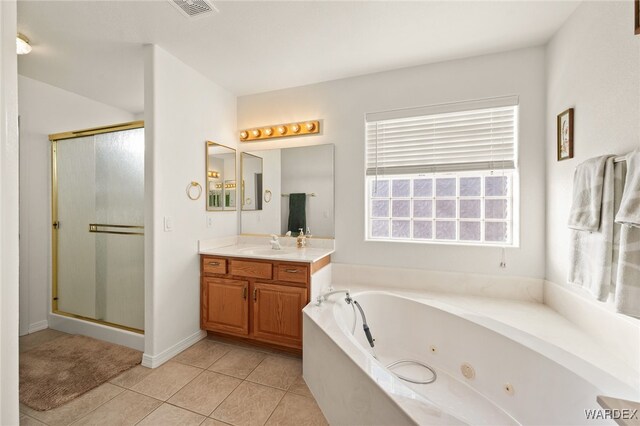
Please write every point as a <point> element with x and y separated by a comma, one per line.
<point>301,240</point>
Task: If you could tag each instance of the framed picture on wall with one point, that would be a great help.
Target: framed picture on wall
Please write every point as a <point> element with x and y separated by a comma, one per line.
<point>565,135</point>
<point>636,11</point>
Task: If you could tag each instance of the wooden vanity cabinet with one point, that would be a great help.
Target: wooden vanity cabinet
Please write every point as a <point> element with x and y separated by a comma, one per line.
<point>277,313</point>
<point>225,305</point>
<point>260,301</point>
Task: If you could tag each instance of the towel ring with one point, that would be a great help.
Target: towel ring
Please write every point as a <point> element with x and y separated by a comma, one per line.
<point>267,196</point>
<point>194,194</point>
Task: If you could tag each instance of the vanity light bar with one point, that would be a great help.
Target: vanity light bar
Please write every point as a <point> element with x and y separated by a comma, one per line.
<point>280,131</point>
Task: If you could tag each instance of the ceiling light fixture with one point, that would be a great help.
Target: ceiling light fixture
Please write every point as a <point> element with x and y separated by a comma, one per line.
<point>22,45</point>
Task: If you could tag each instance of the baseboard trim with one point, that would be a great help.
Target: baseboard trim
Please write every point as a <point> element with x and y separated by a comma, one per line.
<point>37,326</point>
<point>154,361</point>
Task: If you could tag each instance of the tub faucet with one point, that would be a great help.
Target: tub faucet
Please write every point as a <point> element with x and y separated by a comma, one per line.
<point>352,302</point>
<point>322,297</point>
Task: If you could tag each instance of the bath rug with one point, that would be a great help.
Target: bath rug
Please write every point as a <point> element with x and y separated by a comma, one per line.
<point>61,370</point>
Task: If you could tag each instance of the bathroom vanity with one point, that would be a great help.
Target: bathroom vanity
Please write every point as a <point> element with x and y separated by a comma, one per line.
<point>257,294</point>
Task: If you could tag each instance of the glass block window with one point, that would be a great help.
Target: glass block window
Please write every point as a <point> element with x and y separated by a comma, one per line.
<point>465,207</point>
<point>444,173</point>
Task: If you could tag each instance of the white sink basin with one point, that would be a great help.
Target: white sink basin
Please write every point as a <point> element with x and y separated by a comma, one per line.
<point>260,251</point>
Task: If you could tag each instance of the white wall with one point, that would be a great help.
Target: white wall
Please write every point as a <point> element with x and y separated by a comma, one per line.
<point>8,216</point>
<point>593,65</point>
<point>267,220</point>
<point>183,109</point>
<point>310,170</point>
<point>45,109</point>
<point>342,104</point>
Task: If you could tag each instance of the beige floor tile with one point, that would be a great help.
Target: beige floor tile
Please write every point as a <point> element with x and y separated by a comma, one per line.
<point>168,415</point>
<point>166,380</point>
<point>204,393</point>
<point>29,421</point>
<point>30,341</point>
<point>238,362</point>
<point>128,408</point>
<point>299,387</point>
<point>131,377</point>
<point>213,422</point>
<point>249,404</point>
<point>279,372</point>
<point>202,354</point>
<point>297,410</point>
<point>79,407</point>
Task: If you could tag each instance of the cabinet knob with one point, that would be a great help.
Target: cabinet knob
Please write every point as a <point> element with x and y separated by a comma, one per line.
<point>214,263</point>
<point>291,271</point>
<point>255,294</point>
<point>244,293</point>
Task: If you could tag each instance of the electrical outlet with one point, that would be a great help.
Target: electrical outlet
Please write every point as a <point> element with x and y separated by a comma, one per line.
<point>209,221</point>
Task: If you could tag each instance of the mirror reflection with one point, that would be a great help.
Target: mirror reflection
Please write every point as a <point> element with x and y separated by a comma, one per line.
<point>251,181</point>
<point>288,189</point>
<point>221,177</point>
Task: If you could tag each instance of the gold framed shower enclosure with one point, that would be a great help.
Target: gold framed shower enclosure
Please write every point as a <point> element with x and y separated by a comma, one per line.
<point>119,229</point>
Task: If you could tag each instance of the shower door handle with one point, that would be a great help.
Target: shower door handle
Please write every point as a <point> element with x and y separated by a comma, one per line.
<point>119,229</point>
<point>56,224</point>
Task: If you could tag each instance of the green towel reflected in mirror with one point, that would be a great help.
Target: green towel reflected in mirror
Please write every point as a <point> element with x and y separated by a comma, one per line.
<point>297,213</point>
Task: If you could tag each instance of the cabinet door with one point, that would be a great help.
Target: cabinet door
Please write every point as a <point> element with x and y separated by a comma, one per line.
<point>277,313</point>
<point>225,305</point>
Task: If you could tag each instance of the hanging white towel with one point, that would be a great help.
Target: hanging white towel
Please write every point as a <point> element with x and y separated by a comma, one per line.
<point>627,285</point>
<point>591,251</point>
<point>586,206</point>
<point>629,213</point>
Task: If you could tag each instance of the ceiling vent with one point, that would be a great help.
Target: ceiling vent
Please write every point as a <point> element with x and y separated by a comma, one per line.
<point>194,8</point>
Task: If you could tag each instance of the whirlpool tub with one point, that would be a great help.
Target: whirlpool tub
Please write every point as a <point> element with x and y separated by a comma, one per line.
<point>487,372</point>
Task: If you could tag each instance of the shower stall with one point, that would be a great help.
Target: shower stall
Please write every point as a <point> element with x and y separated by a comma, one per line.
<point>98,225</point>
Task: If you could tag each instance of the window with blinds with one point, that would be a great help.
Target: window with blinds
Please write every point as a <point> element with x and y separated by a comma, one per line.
<point>444,173</point>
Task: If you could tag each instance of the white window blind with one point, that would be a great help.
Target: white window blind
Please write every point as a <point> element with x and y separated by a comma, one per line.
<point>475,135</point>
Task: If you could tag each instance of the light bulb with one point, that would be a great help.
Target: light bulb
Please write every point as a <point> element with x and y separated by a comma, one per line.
<point>255,133</point>
<point>295,128</point>
<point>22,45</point>
<point>310,126</point>
<point>244,135</point>
<point>282,130</point>
<point>268,131</point>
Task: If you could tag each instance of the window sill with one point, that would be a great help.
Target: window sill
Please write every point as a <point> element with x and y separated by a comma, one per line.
<point>444,243</point>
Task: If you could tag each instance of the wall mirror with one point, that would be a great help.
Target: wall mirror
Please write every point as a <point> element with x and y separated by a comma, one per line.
<point>288,189</point>
<point>251,181</point>
<point>221,177</point>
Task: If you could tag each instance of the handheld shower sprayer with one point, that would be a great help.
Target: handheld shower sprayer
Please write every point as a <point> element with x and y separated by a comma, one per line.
<point>350,301</point>
<point>365,326</point>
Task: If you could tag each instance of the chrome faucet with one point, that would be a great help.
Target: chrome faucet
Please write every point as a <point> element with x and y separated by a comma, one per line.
<point>275,242</point>
<point>322,297</point>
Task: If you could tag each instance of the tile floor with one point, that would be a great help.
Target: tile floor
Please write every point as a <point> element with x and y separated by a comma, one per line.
<point>212,383</point>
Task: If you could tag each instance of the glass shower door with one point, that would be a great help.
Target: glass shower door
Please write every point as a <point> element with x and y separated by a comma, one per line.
<point>98,202</point>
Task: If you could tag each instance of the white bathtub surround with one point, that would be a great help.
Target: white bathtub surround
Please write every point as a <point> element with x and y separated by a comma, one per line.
<point>495,350</point>
<point>617,334</point>
<point>495,286</point>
